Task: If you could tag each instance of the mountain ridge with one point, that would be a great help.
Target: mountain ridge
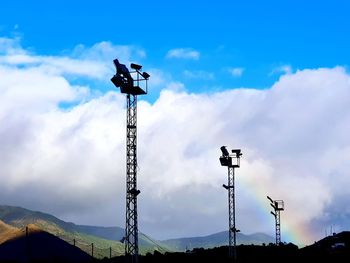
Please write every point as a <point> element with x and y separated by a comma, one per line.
<point>7,231</point>
<point>110,236</point>
<point>102,236</point>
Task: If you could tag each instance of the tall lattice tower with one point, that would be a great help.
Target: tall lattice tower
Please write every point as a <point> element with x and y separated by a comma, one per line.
<point>278,206</point>
<point>129,83</point>
<point>231,161</point>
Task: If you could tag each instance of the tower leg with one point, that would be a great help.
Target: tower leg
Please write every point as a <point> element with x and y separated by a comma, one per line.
<point>131,229</point>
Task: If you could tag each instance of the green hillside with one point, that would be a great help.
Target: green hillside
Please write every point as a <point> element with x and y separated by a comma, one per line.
<point>105,240</point>
<point>146,243</point>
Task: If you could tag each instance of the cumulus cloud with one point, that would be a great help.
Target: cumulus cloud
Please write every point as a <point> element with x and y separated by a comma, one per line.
<point>284,69</point>
<point>36,130</point>
<point>71,162</point>
<point>103,51</point>
<point>184,53</point>
<point>236,72</point>
<point>89,62</point>
<point>199,74</point>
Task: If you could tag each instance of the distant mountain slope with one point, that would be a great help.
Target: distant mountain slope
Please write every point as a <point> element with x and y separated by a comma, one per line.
<point>7,232</point>
<point>215,240</point>
<point>102,237</point>
<point>21,217</point>
<point>106,237</point>
<point>147,244</point>
<point>112,233</point>
<point>36,245</point>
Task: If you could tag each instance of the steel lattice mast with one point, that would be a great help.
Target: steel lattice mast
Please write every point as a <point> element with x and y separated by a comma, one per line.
<point>227,160</point>
<point>231,212</point>
<point>131,87</point>
<point>278,206</point>
<point>131,230</point>
<point>278,227</point>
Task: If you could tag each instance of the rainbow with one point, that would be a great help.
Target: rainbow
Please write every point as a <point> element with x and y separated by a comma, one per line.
<point>291,232</point>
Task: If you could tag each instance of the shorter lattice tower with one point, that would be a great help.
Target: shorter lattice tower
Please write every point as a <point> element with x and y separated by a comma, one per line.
<point>278,206</point>
<point>231,161</point>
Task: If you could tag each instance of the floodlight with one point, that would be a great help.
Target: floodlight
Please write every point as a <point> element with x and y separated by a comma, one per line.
<point>122,78</point>
<point>225,161</point>
<point>117,80</point>
<point>116,63</point>
<point>145,75</point>
<point>135,66</point>
<point>237,152</point>
<point>268,197</point>
<point>279,204</point>
<point>121,68</point>
<point>224,151</point>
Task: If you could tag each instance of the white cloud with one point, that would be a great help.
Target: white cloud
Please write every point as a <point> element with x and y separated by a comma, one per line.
<point>104,51</point>
<point>88,62</point>
<point>199,74</point>
<point>185,53</point>
<point>175,86</point>
<point>236,72</point>
<point>284,69</point>
<point>294,138</point>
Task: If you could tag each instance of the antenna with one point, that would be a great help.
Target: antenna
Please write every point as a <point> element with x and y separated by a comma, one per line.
<point>130,85</point>
<point>231,161</point>
<point>277,205</point>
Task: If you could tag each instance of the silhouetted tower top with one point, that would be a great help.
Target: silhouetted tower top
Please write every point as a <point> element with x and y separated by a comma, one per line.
<point>129,83</point>
<point>230,160</point>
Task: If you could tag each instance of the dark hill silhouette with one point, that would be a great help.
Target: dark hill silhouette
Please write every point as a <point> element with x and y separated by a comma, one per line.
<point>245,254</point>
<point>334,248</point>
<point>35,245</point>
<point>322,251</point>
<point>216,240</point>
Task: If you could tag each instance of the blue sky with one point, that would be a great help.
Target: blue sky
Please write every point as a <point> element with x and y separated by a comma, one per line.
<point>257,36</point>
<point>269,77</point>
